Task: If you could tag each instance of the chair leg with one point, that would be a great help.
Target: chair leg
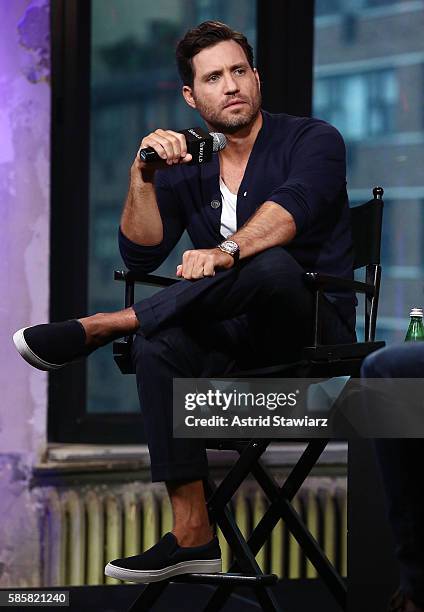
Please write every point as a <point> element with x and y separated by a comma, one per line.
<point>244,552</point>
<point>280,498</point>
<point>305,539</point>
<point>288,490</point>
<point>148,597</point>
<point>245,561</point>
<point>302,469</point>
<point>221,495</point>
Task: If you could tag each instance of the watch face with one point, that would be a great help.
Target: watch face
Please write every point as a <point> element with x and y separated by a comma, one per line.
<point>230,246</point>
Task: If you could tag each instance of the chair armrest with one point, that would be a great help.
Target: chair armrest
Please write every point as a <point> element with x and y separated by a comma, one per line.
<point>147,279</point>
<point>324,281</point>
<point>337,352</point>
<point>338,360</point>
<point>122,347</point>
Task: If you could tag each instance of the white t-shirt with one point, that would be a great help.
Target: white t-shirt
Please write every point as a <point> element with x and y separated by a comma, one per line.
<point>229,210</point>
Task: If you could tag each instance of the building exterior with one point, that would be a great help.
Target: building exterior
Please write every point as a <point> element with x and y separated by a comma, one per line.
<point>369,82</point>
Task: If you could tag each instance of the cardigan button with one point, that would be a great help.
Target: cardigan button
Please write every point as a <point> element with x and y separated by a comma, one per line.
<point>215,203</point>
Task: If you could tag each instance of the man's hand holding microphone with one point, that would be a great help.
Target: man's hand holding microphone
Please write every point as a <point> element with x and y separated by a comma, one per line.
<point>163,149</point>
<point>170,148</point>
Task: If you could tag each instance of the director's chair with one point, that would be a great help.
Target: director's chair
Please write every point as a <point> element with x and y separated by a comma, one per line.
<point>318,361</point>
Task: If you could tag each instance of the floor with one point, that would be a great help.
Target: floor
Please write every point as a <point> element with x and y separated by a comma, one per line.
<point>293,596</point>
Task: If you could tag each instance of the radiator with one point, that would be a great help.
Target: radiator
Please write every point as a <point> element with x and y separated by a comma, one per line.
<point>83,528</point>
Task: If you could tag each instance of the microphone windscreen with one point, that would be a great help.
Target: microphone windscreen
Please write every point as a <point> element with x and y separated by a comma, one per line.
<point>219,141</point>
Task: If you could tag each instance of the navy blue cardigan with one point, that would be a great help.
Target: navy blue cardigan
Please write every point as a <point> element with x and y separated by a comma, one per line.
<point>297,162</point>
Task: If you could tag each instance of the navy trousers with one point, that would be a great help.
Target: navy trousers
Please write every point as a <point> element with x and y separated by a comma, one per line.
<point>401,465</point>
<point>257,314</point>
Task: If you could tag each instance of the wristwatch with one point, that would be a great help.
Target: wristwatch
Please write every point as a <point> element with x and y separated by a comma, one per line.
<point>230,247</point>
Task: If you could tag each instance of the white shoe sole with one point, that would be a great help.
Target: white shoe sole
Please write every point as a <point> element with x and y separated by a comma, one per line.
<point>210,566</point>
<point>29,355</point>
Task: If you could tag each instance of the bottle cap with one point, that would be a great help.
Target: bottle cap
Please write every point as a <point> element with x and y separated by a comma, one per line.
<point>416,312</point>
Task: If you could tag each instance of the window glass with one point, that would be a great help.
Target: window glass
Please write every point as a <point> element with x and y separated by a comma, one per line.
<point>369,83</point>
<point>361,105</point>
<point>335,7</point>
<point>135,89</point>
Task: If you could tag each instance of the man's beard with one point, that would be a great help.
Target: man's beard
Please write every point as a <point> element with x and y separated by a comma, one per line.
<point>234,123</point>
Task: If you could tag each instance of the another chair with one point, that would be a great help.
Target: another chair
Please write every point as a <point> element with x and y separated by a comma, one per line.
<point>318,360</point>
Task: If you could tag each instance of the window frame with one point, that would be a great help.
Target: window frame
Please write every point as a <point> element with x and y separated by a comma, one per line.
<point>278,54</point>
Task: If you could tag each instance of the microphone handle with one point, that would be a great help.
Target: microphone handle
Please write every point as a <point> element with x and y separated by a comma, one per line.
<point>199,145</point>
<point>149,155</point>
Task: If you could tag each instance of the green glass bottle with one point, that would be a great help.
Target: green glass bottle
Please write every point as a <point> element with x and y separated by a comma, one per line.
<point>415,331</point>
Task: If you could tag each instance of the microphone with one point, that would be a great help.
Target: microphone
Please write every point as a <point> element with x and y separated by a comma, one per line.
<point>200,145</point>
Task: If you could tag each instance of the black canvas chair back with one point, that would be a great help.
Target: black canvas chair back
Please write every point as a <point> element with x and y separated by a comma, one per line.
<point>366,224</point>
<point>321,360</point>
<point>366,227</point>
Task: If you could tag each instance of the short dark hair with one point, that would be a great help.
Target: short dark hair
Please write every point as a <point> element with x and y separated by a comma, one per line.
<point>202,36</point>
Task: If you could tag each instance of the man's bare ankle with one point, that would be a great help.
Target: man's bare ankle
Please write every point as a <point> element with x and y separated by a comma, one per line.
<point>187,536</point>
<point>96,331</point>
<point>103,327</point>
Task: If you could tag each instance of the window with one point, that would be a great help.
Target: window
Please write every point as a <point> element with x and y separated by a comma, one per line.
<point>361,105</point>
<point>135,88</point>
<point>371,89</point>
<point>113,80</point>
<point>336,7</point>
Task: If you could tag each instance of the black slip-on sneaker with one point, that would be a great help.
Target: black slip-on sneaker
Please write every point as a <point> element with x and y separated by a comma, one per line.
<point>51,346</point>
<point>166,559</point>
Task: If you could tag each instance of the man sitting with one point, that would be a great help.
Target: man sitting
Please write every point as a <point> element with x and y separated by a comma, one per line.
<point>269,206</point>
